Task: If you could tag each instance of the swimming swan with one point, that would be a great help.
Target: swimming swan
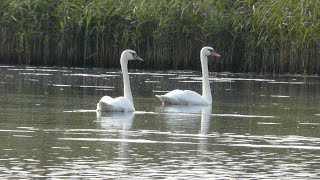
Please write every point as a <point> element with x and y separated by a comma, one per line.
<point>124,103</point>
<point>187,97</point>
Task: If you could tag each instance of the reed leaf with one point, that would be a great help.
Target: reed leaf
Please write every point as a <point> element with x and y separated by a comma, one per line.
<point>277,36</point>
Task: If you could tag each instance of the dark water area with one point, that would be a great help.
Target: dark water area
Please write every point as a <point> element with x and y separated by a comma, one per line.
<point>259,126</point>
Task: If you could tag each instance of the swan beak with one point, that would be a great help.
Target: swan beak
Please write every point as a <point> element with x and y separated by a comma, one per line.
<point>215,54</point>
<point>136,57</point>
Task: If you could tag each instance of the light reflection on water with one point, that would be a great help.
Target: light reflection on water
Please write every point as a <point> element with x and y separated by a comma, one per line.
<point>258,126</point>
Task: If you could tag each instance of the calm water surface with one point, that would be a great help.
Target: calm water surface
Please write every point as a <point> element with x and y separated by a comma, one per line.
<point>258,126</point>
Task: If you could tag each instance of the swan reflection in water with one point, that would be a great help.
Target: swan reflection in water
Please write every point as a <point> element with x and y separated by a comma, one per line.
<point>185,119</point>
<point>121,121</point>
<point>116,120</point>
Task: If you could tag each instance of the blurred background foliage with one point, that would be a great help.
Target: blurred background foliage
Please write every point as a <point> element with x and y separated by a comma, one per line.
<point>265,36</point>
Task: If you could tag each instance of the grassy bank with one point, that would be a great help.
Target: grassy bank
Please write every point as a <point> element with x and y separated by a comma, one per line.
<point>259,36</point>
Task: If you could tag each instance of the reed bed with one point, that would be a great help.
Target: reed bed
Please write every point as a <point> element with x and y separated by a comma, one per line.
<point>275,36</point>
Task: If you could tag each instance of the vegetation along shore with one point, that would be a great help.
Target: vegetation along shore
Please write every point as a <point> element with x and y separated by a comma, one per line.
<point>267,36</point>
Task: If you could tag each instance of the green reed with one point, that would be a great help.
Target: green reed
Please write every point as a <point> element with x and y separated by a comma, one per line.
<point>258,36</point>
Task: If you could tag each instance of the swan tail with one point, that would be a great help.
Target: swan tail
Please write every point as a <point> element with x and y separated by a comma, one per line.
<point>104,107</point>
<point>160,97</point>
<point>166,100</point>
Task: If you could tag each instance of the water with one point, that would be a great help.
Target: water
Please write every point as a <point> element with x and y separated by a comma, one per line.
<point>258,126</point>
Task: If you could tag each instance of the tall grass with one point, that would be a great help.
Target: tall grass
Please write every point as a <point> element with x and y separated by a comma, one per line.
<point>260,36</point>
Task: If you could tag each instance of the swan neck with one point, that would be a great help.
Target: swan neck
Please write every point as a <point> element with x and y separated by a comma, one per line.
<point>206,91</point>
<point>126,82</point>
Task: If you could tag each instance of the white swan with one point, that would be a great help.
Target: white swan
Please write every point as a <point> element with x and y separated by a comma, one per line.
<point>125,103</point>
<point>187,97</point>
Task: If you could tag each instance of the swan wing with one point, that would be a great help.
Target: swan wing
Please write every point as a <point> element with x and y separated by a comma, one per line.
<point>108,104</point>
<point>180,97</point>
<point>106,98</point>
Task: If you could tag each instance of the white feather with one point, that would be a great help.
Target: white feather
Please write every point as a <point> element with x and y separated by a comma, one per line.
<point>125,103</point>
<point>187,97</point>
<point>182,97</point>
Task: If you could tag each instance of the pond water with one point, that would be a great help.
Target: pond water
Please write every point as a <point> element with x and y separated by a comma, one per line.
<point>259,126</point>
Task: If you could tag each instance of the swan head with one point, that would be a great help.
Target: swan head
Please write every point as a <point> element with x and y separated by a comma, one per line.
<point>130,55</point>
<point>209,51</point>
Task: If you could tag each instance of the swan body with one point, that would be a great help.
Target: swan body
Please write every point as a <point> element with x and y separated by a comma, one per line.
<point>187,97</point>
<point>110,104</point>
<point>182,97</point>
<point>125,103</point>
